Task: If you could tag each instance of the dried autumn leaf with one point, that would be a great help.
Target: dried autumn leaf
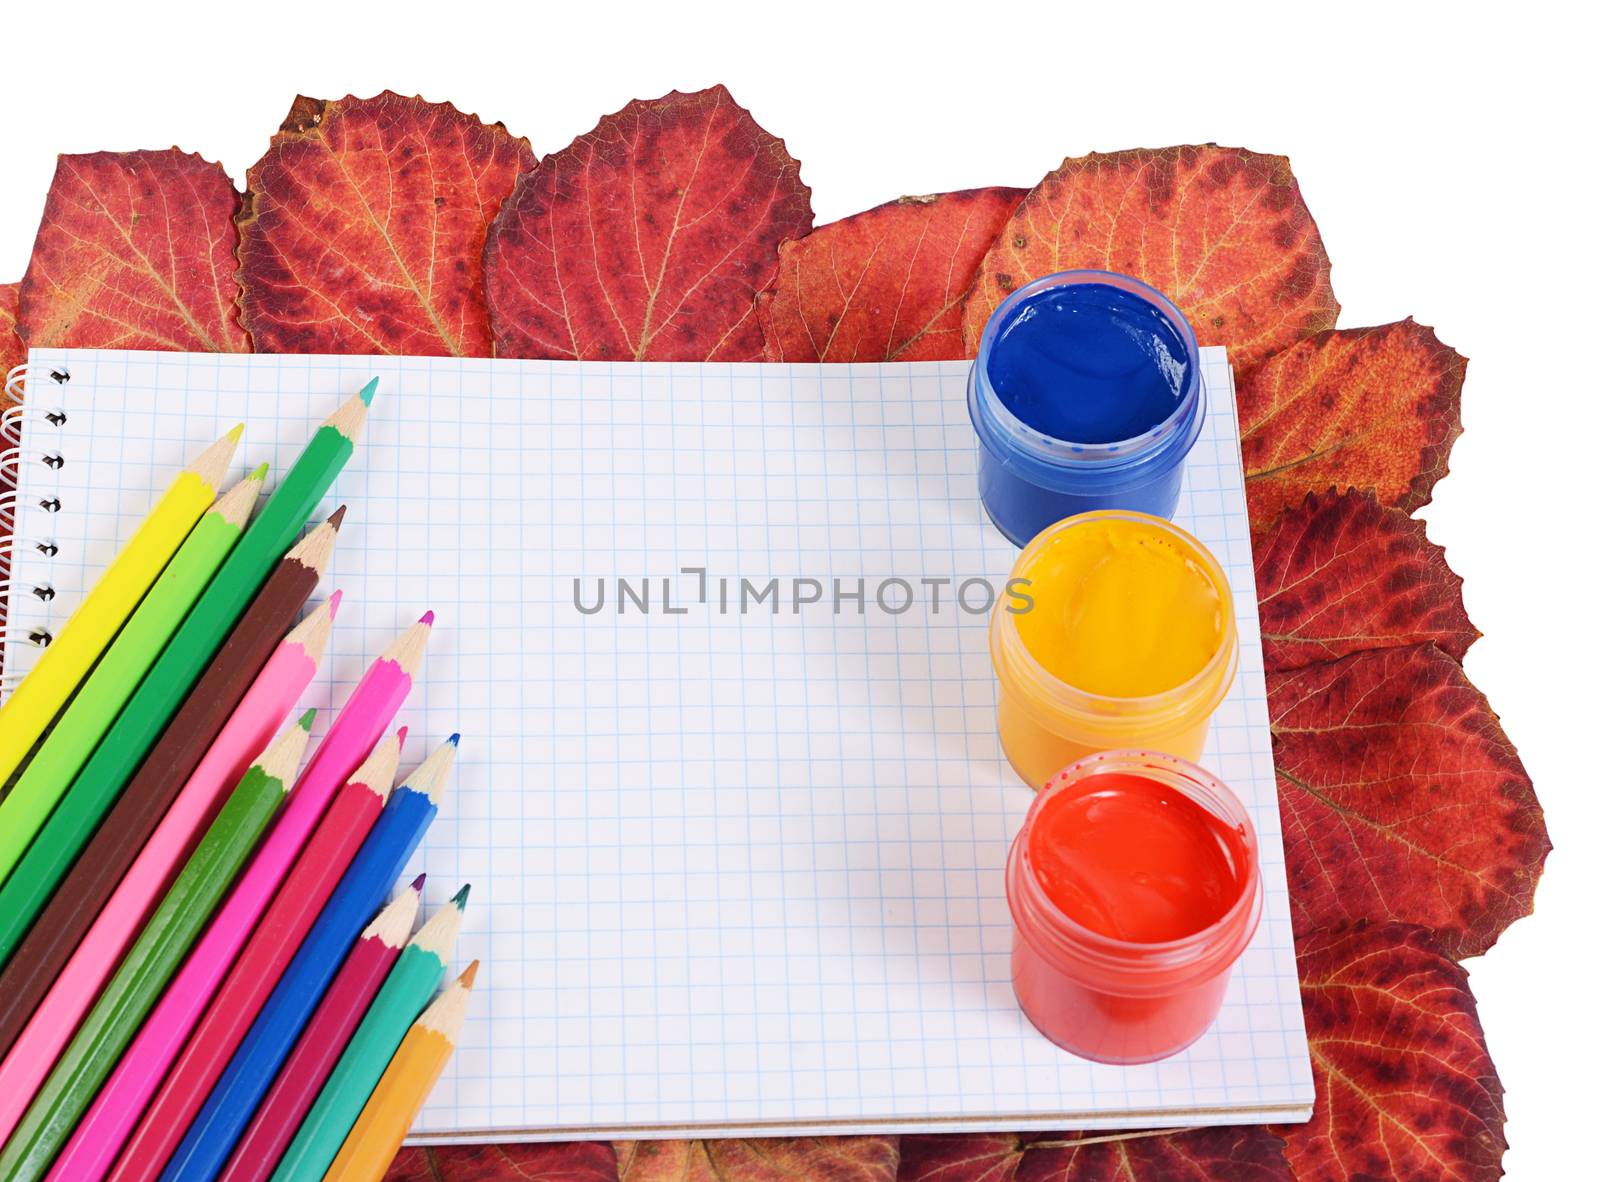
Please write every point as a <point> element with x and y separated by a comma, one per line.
<point>648,238</point>
<point>1405,1086</point>
<point>364,224</point>
<point>12,351</point>
<point>1245,1153</point>
<point>1341,573</point>
<point>1402,799</point>
<point>884,285</point>
<point>559,1161</point>
<point>1374,408</point>
<point>772,1159</point>
<point>135,251</point>
<point>1223,232</point>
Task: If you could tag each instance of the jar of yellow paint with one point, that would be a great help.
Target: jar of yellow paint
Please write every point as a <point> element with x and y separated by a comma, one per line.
<point>1119,632</point>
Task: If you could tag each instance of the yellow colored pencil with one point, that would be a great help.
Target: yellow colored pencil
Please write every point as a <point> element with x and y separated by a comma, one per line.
<point>399,1095</point>
<point>30,708</point>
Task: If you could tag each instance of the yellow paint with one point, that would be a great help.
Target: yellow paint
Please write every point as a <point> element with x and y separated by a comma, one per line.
<point>1130,643</point>
<point>1122,608</point>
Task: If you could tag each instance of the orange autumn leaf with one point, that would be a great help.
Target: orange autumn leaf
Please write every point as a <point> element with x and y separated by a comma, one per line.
<point>135,251</point>
<point>1340,573</point>
<point>1402,799</point>
<point>884,285</point>
<point>1246,1153</point>
<point>648,238</point>
<point>1374,408</point>
<point>769,1159</point>
<point>544,1161</point>
<point>1222,232</point>
<point>1405,1087</point>
<point>12,351</point>
<point>364,224</point>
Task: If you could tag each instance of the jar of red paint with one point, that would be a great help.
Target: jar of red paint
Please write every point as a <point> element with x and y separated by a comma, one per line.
<point>1135,886</point>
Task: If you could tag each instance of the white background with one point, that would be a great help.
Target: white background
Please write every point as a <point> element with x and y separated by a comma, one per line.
<point>1447,156</point>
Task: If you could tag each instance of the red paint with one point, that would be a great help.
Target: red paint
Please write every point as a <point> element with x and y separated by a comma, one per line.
<point>1134,886</point>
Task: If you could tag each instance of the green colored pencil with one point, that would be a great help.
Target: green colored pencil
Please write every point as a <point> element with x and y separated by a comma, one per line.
<point>154,957</point>
<point>406,990</point>
<point>159,695</point>
<point>114,679</point>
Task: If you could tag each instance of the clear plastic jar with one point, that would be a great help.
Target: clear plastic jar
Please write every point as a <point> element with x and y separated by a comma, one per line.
<point>1116,1000</point>
<point>1046,723</point>
<point>1029,479</point>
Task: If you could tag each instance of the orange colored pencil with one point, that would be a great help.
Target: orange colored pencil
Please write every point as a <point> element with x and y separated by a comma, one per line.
<point>400,1094</point>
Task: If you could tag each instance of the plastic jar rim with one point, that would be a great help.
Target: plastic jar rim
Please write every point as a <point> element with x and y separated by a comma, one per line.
<point>1127,967</point>
<point>1066,454</point>
<point>1053,702</point>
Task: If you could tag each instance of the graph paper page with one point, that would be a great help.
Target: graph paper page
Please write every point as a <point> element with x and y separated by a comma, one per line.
<point>732,871</point>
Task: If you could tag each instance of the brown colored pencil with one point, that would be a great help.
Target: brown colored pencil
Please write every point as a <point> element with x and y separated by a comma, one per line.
<point>72,909</point>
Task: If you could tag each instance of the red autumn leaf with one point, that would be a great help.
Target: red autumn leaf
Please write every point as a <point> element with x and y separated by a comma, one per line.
<point>1340,573</point>
<point>1402,799</point>
<point>1223,232</point>
<point>884,285</point>
<point>558,1161</point>
<point>12,351</point>
<point>772,1159</point>
<point>1374,408</point>
<point>1405,1087</point>
<point>1245,1153</point>
<point>364,224</point>
<point>135,251</point>
<point>648,238</point>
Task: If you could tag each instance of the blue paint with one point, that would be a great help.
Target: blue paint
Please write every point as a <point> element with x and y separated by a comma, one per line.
<point>1086,394</point>
<point>1089,363</point>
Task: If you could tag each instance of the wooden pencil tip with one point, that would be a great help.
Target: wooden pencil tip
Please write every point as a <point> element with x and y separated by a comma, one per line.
<point>455,739</point>
<point>312,633</point>
<point>211,465</point>
<point>459,899</point>
<point>416,883</point>
<point>369,391</point>
<point>259,472</point>
<point>376,773</point>
<point>334,601</point>
<point>305,720</point>
<point>315,549</point>
<point>280,760</point>
<point>400,737</point>
<point>409,646</point>
<point>430,775</point>
<point>236,434</point>
<point>393,924</point>
<point>336,518</point>
<point>426,618</point>
<point>234,505</point>
<point>469,975</point>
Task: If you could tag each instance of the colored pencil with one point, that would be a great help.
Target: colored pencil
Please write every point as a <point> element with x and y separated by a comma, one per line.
<point>114,678</point>
<point>70,994</point>
<point>29,710</point>
<point>153,959</point>
<point>229,1107</point>
<point>173,764</point>
<point>347,999</point>
<point>348,820</point>
<point>197,640</point>
<point>317,1138</point>
<point>274,942</point>
<point>404,1088</point>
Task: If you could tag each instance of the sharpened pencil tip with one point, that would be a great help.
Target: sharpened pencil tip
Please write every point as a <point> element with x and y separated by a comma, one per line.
<point>459,899</point>
<point>259,472</point>
<point>333,603</point>
<point>454,740</point>
<point>426,618</point>
<point>236,434</point>
<point>469,975</point>
<point>304,722</point>
<point>400,737</point>
<point>368,391</point>
<point>416,883</point>
<point>336,518</point>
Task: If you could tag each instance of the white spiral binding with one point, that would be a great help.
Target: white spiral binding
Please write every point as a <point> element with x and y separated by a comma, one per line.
<point>14,455</point>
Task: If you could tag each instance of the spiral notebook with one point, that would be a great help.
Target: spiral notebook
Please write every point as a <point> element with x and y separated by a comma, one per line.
<point>736,866</point>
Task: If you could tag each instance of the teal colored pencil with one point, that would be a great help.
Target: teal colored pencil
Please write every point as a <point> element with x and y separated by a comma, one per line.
<point>154,957</point>
<point>406,990</point>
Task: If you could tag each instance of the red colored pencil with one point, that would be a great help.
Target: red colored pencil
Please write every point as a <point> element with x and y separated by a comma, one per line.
<point>323,1041</point>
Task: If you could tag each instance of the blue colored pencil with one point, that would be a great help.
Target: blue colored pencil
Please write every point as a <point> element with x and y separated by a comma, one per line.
<point>361,892</point>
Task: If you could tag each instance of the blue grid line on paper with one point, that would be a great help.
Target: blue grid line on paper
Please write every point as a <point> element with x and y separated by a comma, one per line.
<point>725,869</point>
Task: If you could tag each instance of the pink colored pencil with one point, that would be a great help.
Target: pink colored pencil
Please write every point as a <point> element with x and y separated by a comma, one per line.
<point>321,1043</point>
<point>235,1005</point>
<point>249,728</point>
<point>101,1132</point>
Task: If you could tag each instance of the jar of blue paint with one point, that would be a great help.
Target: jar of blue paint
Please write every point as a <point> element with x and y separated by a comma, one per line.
<point>1086,394</point>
